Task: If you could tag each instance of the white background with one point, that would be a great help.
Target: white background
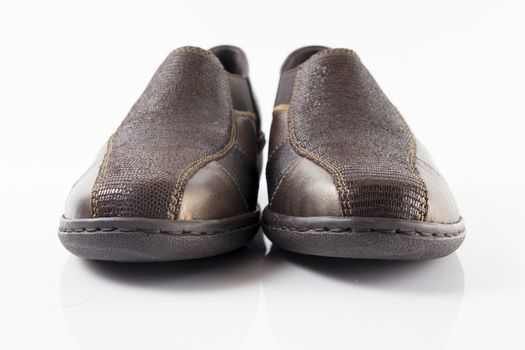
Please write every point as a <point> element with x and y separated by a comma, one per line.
<point>70,71</point>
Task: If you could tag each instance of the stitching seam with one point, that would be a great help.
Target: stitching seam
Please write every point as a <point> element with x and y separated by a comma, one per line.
<point>176,197</point>
<point>146,231</point>
<point>342,188</point>
<point>411,159</point>
<point>95,192</point>
<point>238,147</point>
<point>290,168</point>
<point>361,230</point>
<point>236,185</point>
<point>276,148</point>
<point>201,52</point>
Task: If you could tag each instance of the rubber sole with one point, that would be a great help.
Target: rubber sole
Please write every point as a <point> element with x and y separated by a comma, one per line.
<point>141,239</point>
<point>363,238</point>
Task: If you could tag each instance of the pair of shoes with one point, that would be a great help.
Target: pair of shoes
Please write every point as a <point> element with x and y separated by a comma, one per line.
<point>180,176</point>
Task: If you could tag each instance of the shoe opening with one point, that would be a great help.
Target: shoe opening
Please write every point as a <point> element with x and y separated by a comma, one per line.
<point>232,58</point>
<point>299,56</point>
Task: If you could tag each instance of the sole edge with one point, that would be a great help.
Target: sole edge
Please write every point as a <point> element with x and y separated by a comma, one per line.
<point>363,238</point>
<point>152,240</point>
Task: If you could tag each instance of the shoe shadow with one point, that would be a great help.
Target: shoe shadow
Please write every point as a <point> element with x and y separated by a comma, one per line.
<point>438,276</point>
<point>369,304</point>
<point>222,271</point>
<point>163,305</point>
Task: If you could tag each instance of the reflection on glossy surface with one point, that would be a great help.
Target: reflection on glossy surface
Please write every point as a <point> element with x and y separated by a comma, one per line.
<point>315,301</point>
<point>307,302</point>
<point>202,304</point>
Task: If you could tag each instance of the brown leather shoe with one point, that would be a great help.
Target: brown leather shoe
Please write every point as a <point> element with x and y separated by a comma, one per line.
<point>179,177</point>
<point>346,176</point>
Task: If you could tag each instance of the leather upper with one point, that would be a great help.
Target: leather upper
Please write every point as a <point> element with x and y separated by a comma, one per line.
<point>189,149</point>
<point>338,147</point>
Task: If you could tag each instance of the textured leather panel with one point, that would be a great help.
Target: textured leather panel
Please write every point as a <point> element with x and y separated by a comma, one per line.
<point>340,119</point>
<point>78,202</point>
<point>182,121</point>
<point>306,190</point>
<point>280,162</point>
<point>240,164</point>
<point>279,128</point>
<point>211,194</point>
<point>289,71</point>
<point>442,207</point>
<point>299,56</point>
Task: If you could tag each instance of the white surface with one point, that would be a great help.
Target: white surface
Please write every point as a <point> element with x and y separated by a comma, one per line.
<point>69,72</point>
